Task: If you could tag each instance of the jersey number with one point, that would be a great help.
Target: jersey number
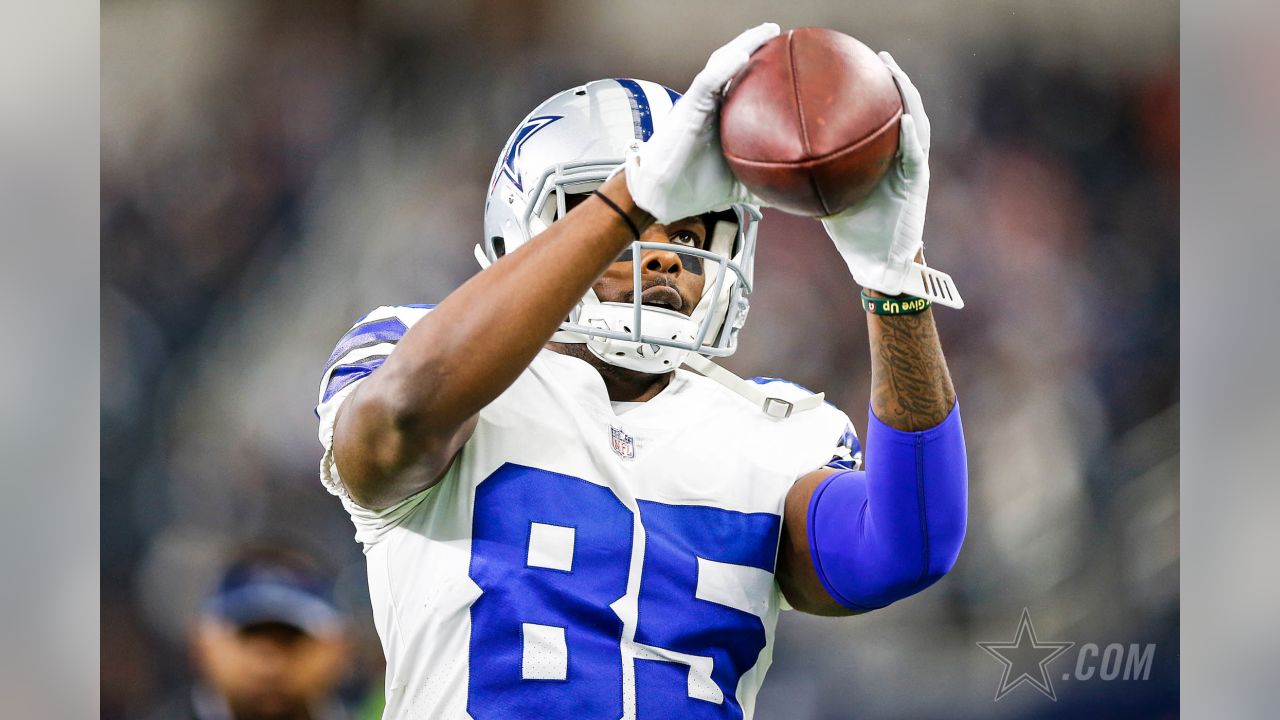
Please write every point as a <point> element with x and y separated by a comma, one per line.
<point>552,553</point>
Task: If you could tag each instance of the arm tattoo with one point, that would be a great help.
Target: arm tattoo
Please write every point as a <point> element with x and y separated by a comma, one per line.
<point>910,386</point>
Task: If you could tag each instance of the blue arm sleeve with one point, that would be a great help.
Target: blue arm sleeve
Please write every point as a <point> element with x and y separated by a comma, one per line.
<point>889,531</point>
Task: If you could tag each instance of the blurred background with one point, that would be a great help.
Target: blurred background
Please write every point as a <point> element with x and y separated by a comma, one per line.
<point>270,171</point>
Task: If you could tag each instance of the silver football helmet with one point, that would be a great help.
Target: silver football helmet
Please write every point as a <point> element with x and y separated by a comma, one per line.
<point>570,144</point>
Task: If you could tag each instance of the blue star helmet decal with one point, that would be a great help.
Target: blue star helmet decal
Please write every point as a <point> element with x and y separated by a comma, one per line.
<point>528,130</point>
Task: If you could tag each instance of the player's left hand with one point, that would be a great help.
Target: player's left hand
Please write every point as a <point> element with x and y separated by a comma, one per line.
<point>681,170</point>
<point>880,236</point>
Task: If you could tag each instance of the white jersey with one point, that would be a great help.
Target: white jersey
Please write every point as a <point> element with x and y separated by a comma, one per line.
<point>577,563</point>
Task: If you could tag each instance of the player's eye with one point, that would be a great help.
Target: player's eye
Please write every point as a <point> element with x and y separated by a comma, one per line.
<point>687,238</point>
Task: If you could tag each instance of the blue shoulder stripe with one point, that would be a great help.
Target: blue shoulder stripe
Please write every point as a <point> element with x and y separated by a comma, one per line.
<point>344,375</point>
<point>849,439</point>
<point>365,334</point>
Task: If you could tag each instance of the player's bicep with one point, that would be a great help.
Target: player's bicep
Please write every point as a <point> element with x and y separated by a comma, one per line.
<point>797,577</point>
<point>371,455</point>
<point>379,464</point>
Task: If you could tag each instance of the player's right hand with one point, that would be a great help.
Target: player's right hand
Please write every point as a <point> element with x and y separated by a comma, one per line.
<point>681,171</point>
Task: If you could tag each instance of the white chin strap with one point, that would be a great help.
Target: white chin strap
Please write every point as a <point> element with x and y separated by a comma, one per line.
<point>772,406</point>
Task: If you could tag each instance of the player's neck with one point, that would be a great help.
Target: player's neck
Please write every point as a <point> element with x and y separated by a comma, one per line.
<point>623,385</point>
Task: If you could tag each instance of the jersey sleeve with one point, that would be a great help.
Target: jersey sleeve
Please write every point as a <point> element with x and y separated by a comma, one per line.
<point>359,354</point>
<point>825,429</point>
<point>847,454</point>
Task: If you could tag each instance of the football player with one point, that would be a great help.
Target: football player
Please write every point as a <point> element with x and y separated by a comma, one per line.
<point>561,521</point>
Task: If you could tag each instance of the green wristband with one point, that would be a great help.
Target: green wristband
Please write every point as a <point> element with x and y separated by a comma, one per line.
<point>901,305</point>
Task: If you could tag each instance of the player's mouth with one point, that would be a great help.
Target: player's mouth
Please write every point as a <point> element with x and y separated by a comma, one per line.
<point>662,296</point>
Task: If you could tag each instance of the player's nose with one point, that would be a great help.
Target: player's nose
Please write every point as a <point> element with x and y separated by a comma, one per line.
<point>661,261</point>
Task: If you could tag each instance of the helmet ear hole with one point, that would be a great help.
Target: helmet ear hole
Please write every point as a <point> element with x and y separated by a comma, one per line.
<point>499,246</point>
<point>574,199</point>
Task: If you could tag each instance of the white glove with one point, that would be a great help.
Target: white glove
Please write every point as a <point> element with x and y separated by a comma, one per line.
<point>880,235</point>
<point>681,171</point>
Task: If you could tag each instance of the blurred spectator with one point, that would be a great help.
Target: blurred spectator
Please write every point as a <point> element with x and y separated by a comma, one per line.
<point>270,644</point>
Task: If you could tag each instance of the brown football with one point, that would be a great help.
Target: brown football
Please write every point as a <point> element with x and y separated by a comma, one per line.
<point>810,125</point>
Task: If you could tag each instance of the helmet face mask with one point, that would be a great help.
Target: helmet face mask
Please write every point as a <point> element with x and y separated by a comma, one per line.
<point>568,146</point>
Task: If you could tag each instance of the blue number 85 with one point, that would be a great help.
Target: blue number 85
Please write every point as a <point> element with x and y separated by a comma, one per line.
<point>552,553</point>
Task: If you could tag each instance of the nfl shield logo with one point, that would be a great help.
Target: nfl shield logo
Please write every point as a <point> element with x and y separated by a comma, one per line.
<point>623,444</point>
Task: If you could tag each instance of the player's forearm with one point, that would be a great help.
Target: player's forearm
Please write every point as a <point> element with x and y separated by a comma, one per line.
<point>910,386</point>
<point>472,346</point>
